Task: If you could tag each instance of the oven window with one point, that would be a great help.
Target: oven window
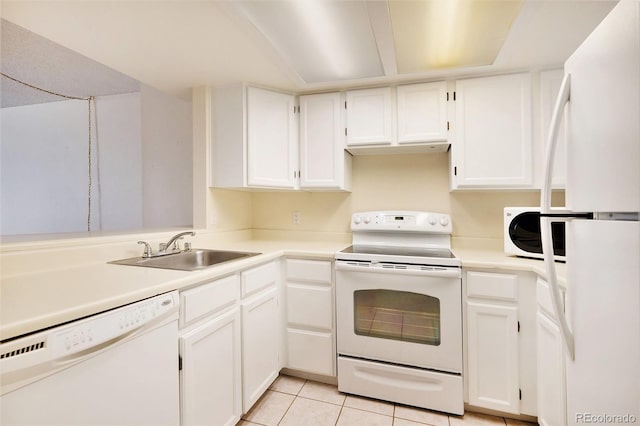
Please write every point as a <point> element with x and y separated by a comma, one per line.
<point>397,315</point>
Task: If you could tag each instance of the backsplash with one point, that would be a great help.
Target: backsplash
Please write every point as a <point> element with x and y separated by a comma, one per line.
<point>405,182</point>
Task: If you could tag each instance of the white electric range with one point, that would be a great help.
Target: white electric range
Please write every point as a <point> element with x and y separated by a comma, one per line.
<point>399,312</point>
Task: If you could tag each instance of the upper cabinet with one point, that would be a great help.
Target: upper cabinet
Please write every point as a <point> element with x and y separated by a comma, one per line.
<point>369,117</point>
<point>255,141</point>
<point>324,163</point>
<point>493,143</point>
<point>422,112</point>
<point>407,118</point>
<point>271,139</point>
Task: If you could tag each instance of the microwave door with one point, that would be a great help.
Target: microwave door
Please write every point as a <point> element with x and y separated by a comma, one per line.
<point>524,233</point>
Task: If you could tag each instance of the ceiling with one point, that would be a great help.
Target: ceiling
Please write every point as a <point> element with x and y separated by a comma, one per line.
<point>40,62</point>
<point>176,45</point>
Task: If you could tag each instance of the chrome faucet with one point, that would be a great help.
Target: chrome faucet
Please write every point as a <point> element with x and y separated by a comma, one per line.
<point>174,240</point>
<point>170,247</point>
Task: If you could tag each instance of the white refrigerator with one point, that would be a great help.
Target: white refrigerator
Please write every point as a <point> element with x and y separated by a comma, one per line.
<point>599,103</point>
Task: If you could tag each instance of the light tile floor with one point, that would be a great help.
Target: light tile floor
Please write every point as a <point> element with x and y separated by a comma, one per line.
<point>291,401</point>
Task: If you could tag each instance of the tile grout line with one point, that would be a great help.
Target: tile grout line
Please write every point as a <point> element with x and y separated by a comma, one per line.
<point>292,401</point>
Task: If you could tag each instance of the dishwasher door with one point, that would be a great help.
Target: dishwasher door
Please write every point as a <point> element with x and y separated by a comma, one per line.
<point>116,368</point>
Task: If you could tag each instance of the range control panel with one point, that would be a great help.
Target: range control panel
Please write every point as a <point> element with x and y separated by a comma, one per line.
<point>399,221</point>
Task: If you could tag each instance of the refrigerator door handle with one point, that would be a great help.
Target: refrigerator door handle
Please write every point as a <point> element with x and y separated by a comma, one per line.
<point>546,212</point>
<point>552,142</point>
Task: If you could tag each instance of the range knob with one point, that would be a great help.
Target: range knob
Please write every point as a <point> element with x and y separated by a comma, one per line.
<point>367,219</point>
<point>432,220</point>
<point>444,220</point>
<point>356,220</point>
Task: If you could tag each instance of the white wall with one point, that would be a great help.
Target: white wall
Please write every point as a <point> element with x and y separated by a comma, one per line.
<point>43,182</point>
<point>119,152</point>
<point>44,169</point>
<point>141,165</point>
<point>167,167</point>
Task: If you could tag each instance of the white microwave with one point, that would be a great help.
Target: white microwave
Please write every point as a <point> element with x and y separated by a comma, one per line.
<point>522,233</point>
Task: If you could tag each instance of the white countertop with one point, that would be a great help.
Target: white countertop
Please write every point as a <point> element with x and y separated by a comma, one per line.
<point>33,300</point>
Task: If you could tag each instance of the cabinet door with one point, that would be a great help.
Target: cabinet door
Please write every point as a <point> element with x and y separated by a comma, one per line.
<point>321,141</point>
<point>493,143</point>
<point>422,112</point>
<point>210,388</point>
<point>310,306</point>
<point>369,116</point>
<point>311,351</point>
<point>492,356</point>
<point>549,87</point>
<point>260,345</point>
<point>271,139</point>
<point>551,374</point>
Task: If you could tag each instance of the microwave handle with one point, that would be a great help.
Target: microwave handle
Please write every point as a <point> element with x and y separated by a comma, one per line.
<point>546,213</point>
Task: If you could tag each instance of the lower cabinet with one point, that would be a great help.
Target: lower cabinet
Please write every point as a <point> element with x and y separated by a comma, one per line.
<point>551,364</point>
<point>493,356</point>
<point>229,346</point>
<point>211,391</point>
<point>261,336</point>
<point>309,324</point>
<point>209,343</point>
<point>500,341</point>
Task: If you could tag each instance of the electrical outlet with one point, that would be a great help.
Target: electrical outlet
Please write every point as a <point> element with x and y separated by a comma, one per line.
<point>296,217</point>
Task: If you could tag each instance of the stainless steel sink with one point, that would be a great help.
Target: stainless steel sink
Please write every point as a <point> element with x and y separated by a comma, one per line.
<point>189,260</point>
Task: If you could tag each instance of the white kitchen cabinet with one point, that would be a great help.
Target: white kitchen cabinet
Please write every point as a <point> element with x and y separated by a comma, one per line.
<point>210,375</point>
<point>254,138</point>
<point>422,112</point>
<point>271,139</point>
<point>261,324</point>
<point>551,363</point>
<point>549,87</point>
<point>493,143</point>
<point>369,116</point>
<point>211,390</point>
<point>324,163</point>
<point>492,341</point>
<point>309,329</point>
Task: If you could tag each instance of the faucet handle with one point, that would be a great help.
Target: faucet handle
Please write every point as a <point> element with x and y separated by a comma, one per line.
<point>147,249</point>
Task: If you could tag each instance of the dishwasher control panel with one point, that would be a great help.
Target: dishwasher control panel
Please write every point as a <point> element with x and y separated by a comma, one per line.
<point>111,326</point>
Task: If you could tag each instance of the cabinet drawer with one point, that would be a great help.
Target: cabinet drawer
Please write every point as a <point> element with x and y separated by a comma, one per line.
<point>309,270</point>
<point>208,298</point>
<point>543,296</point>
<point>493,286</point>
<point>309,306</point>
<point>310,351</point>
<point>261,277</point>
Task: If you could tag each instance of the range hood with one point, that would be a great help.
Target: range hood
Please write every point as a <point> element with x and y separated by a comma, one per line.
<point>418,148</point>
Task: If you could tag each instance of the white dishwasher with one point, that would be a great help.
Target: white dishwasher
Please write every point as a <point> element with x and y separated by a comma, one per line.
<point>114,368</point>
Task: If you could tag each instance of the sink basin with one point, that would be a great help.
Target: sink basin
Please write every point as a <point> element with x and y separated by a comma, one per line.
<point>190,260</point>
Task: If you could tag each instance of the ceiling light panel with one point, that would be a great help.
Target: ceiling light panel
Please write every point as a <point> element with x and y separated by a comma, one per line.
<point>321,40</point>
<point>436,34</point>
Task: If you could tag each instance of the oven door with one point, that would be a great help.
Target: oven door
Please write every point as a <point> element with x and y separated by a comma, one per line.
<point>403,314</point>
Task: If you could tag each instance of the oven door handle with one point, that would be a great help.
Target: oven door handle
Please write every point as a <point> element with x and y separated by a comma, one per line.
<point>378,268</point>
